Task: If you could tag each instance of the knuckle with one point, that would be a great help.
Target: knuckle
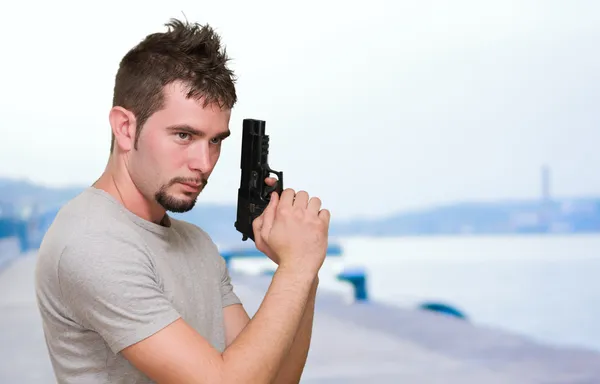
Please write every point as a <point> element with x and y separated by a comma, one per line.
<point>286,214</point>
<point>264,232</point>
<point>314,222</point>
<point>299,213</point>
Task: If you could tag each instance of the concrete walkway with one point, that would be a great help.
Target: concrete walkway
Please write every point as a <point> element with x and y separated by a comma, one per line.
<point>356,343</point>
<point>364,342</point>
<point>23,355</point>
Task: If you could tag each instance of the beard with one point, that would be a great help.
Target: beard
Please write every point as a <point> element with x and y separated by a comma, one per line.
<point>178,205</point>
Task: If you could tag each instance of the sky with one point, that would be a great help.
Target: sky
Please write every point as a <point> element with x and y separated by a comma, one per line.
<point>376,107</point>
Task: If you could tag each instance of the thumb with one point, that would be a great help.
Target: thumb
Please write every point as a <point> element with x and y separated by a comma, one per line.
<point>257,225</point>
<point>256,228</point>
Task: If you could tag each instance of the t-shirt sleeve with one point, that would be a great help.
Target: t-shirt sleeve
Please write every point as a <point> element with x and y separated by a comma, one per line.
<point>113,290</point>
<point>228,296</point>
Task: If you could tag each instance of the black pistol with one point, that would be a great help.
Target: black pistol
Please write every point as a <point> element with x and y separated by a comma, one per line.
<point>254,194</point>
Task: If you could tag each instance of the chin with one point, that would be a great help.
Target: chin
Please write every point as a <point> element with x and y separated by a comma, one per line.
<point>178,204</point>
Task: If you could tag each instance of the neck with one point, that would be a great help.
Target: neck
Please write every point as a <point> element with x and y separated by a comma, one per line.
<point>116,181</point>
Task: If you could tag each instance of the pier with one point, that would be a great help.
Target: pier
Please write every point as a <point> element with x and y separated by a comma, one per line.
<point>356,342</point>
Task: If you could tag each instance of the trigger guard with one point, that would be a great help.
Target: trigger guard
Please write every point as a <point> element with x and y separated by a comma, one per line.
<point>276,188</point>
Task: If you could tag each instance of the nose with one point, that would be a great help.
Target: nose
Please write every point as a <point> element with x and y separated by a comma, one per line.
<point>200,158</point>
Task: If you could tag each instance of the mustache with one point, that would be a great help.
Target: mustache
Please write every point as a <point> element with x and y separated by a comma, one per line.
<point>187,180</point>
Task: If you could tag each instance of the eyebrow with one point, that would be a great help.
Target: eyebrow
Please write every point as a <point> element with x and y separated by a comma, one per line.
<point>196,132</point>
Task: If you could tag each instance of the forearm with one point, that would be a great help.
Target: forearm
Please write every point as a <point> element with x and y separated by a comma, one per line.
<point>293,365</point>
<point>258,352</point>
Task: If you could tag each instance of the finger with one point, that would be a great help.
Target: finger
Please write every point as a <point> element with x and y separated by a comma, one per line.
<point>287,197</point>
<point>269,213</point>
<point>325,215</point>
<point>257,225</point>
<point>301,199</point>
<point>314,204</point>
<point>271,181</point>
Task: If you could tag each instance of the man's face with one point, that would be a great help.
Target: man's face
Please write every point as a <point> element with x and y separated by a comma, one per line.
<point>178,149</point>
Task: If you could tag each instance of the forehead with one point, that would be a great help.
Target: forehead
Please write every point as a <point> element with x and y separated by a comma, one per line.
<point>180,109</point>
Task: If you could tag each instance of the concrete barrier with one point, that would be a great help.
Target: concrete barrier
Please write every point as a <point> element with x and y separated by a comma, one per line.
<point>249,251</point>
<point>10,249</point>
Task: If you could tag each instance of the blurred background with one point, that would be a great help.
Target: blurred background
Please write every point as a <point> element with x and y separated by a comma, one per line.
<point>455,142</point>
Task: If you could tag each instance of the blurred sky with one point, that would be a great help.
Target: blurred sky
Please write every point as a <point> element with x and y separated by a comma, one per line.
<point>373,106</point>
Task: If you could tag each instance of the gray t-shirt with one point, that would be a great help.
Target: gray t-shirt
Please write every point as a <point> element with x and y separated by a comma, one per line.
<point>106,279</point>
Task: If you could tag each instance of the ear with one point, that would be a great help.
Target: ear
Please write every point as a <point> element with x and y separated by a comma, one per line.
<point>123,125</point>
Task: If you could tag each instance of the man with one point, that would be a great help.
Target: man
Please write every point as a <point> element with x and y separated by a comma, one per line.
<point>128,294</point>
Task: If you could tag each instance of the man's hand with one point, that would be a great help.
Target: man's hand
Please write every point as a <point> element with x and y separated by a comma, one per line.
<point>288,209</point>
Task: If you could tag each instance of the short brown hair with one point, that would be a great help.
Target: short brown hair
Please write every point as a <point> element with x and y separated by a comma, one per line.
<point>190,53</point>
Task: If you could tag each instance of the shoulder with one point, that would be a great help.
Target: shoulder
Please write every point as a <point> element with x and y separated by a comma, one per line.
<point>85,262</point>
<point>87,229</point>
<point>90,214</point>
<point>87,242</point>
<point>105,251</point>
<point>91,245</point>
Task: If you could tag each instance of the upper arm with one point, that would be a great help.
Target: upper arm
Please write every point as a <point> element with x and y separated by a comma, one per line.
<point>176,354</point>
<point>114,292</point>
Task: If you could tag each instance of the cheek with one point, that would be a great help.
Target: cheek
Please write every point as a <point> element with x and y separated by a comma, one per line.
<point>214,156</point>
<point>216,152</point>
<point>166,153</point>
<point>158,156</point>
<point>201,150</point>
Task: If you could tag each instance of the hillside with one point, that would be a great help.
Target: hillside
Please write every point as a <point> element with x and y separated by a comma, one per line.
<point>18,197</point>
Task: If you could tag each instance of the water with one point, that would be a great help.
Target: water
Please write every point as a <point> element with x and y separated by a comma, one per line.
<point>547,288</point>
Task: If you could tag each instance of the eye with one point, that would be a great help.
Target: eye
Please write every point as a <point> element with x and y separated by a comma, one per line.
<point>183,135</point>
<point>216,140</point>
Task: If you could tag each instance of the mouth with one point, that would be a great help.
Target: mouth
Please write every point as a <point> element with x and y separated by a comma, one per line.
<point>191,187</point>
